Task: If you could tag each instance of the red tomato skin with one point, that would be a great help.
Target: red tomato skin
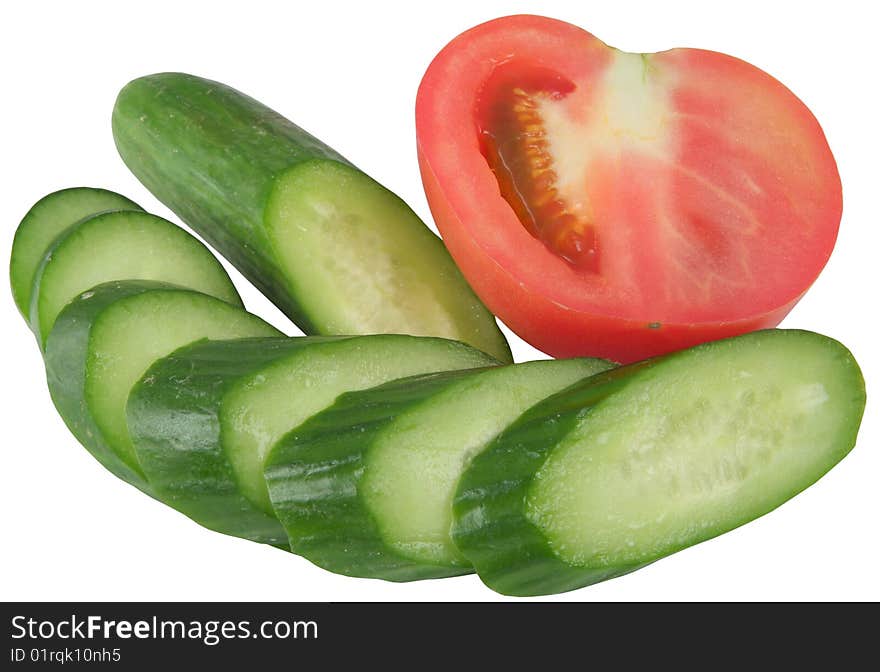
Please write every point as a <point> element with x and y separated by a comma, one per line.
<point>505,266</point>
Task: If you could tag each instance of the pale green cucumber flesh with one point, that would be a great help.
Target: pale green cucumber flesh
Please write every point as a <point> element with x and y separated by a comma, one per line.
<point>263,407</point>
<point>128,336</point>
<point>123,245</point>
<point>725,438</point>
<point>46,220</point>
<point>637,463</point>
<point>413,465</point>
<point>362,261</point>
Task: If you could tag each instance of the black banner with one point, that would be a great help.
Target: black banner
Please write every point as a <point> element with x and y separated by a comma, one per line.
<point>131,636</point>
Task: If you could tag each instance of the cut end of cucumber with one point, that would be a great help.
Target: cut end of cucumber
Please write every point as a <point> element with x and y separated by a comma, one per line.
<point>414,465</point>
<point>367,264</point>
<point>713,438</point>
<point>123,245</point>
<point>44,222</point>
<point>264,407</point>
<point>133,332</point>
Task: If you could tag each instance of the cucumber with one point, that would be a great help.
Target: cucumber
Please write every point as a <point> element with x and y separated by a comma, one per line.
<point>332,248</point>
<point>107,337</point>
<point>122,245</point>
<point>365,488</point>
<point>201,444</point>
<point>46,220</point>
<point>616,472</point>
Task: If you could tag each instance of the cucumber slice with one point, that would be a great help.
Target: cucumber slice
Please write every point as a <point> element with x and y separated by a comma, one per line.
<point>640,462</point>
<point>202,444</point>
<point>106,338</point>
<point>122,245</point>
<point>333,249</point>
<point>362,262</point>
<point>45,221</point>
<point>365,488</point>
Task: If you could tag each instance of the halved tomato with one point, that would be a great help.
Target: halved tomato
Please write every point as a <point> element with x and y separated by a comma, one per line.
<point>622,205</point>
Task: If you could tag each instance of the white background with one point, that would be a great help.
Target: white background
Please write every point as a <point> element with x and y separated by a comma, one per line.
<point>348,72</point>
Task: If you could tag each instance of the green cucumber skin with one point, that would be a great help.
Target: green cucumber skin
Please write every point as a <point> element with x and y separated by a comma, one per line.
<point>66,359</point>
<point>22,284</point>
<point>511,554</point>
<point>313,475</point>
<point>161,118</point>
<point>173,419</point>
<point>168,128</point>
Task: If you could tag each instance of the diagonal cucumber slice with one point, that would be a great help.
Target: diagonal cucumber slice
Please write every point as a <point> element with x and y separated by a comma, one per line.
<point>45,221</point>
<point>643,461</point>
<point>173,421</point>
<point>365,488</point>
<point>202,444</point>
<point>203,418</point>
<point>105,340</point>
<point>122,245</point>
<point>333,227</point>
<point>264,407</point>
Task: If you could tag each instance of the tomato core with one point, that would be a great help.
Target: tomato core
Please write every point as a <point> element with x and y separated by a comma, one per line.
<point>513,140</point>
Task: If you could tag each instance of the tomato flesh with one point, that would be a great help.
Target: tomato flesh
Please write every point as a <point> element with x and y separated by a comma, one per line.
<point>514,141</point>
<point>617,204</point>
